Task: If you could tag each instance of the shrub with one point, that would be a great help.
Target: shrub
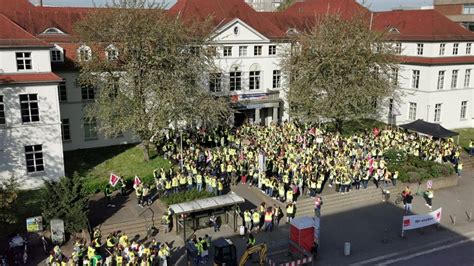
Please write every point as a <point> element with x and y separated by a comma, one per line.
<point>185,196</point>
<point>394,156</point>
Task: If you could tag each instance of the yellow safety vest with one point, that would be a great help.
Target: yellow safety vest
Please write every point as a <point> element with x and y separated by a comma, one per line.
<point>119,260</point>
<point>289,210</point>
<point>247,216</point>
<point>268,217</point>
<point>220,186</point>
<point>199,179</point>
<point>256,218</point>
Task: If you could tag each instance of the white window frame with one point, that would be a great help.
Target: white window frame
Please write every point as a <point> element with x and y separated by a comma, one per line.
<point>398,48</point>
<point>442,48</point>
<point>467,78</point>
<point>84,53</point>
<point>62,91</point>
<point>242,51</point>
<point>31,111</point>
<point>412,111</point>
<point>23,61</point>
<point>65,130</point>
<point>455,48</point>
<point>415,82</point>
<point>463,110</point>
<point>419,48</point>
<point>454,78</point>
<point>235,80</point>
<point>111,53</point>
<point>441,75</point>
<point>257,50</point>
<point>215,82</point>
<point>227,51</point>
<point>437,112</point>
<point>90,130</point>
<point>34,158</point>
<point>468,9</point>
<point>272,50</point>
<point>468,48</point>
<point>3,118</point>
<point>87,93</point>
<point>254,80</point>
<point>276,79</point>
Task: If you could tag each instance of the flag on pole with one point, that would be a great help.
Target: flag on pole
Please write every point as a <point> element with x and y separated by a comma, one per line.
<point>113,180</point>
<point>136,182</point>
<point>209,156</point>
<point>312,131</point>
<point>376,131</point>
<point>300,139</point>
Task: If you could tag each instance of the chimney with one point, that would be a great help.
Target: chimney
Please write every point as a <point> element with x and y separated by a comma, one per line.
<point>40,2</point>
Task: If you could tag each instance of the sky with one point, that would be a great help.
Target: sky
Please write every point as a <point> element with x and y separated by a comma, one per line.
<point>375,5</point>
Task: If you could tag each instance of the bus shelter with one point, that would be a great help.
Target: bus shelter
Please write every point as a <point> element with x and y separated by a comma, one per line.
<point>194,215</point>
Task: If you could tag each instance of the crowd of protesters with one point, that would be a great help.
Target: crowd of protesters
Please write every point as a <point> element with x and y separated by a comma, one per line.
<point>291,159</point>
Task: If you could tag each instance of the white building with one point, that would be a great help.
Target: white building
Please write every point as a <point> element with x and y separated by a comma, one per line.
<point>435,72</point>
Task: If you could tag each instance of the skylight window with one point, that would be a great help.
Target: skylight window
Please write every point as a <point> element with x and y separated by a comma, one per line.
<point>53,31</point>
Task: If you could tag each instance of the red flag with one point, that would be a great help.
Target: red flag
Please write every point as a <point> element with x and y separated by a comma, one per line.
<point>113,180</point>
<point>376,131</point>
<point>136,181</point>
<point>300,139</point>
<point>241,156</point>
<point>312,131</point>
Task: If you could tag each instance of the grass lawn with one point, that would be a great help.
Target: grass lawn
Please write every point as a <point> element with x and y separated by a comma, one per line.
<point>124,160</point>
<point>465,135</point>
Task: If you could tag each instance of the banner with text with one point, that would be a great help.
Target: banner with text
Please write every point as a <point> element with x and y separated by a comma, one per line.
<point>417,221</point>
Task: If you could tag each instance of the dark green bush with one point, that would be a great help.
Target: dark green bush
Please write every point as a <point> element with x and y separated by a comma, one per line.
<point>394,156</point>
<point>185,196</point>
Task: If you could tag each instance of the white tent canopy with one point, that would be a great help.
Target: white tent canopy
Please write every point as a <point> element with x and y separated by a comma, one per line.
<point>207,204</point>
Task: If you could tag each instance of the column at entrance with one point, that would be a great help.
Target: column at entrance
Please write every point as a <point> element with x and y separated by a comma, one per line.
<point>275,114</point>
<point>257,116</point>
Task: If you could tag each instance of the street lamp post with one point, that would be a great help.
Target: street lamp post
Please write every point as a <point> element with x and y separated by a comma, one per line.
<point>181,149</point>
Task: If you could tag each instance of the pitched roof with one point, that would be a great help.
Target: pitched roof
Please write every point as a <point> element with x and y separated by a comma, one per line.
<point>447,60</point>
<point>29,78</point>
<point>223,11</point>
<point>345,8</point>
<point>420,25</point>
<point>12,35</point>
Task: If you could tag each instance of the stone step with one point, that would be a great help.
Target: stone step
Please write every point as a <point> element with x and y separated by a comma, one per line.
<point>128,227</point>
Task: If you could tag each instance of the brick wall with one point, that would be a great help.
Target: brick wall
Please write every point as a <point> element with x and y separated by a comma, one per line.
<point>449,10</point>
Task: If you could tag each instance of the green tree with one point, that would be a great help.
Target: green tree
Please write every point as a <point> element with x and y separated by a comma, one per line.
<point>153,76</point>
<point>66,200</point>
<point>340,69</point>
<point>8,196</point>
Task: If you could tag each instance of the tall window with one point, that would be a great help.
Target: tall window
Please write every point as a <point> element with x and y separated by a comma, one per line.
<point>56,55</point>
<point>412,111</point>
<point>455,48</point>
<point>463,109</point>
<point>441,79</point>
<point>419,49</point>
<point>442,48</point>
<point>272,50</point>
<point>29,108</point>
<point>34,158</point>
<point>257,50</point>
<point>415,81</point>
<point>276,79</point>
<point>65,130</point>
<point>2,111</point>
<point>215,82</point>
<point>454,78</point>
<point>235,82</point>
<point>87,92</point>
<point>468,48</point>
<point>84,53</point>
<point>62,91</point>
<point>227,50</point>
<point>398,48</point>
<point>394,76</point>
<point>467,78</point>
<point>254,80</point>
<point>23,60</point>
<point>111,53</point>
<point>437,112</point>
<point>242,50</point>
<point>90,130</point>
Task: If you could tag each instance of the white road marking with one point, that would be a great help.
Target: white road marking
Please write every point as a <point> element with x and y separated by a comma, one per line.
<point>426,252</point>
<point>383,257</point>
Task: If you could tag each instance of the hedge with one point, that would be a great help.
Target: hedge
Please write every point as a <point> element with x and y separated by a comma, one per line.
<point>189,195</point>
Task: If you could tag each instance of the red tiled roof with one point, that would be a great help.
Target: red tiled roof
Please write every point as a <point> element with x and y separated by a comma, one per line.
<point>12,35</point>
<point>29,78</point>
<point>224,11</point>
<point>345,8</point>
<point>449,60</point>
<point>420,25</point>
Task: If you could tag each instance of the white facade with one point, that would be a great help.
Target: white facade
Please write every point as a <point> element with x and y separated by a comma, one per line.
<point>30,134</point>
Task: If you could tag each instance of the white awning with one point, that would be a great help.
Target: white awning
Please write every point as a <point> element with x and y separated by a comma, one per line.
<point>207,204</point>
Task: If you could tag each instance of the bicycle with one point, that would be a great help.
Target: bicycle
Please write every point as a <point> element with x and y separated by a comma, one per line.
<point>399,199</point>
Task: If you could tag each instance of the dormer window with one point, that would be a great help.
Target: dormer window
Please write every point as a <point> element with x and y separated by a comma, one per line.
<point>111,53</point>
<point>57,54</point>
<point>291,31</point>
<point>394,30</point>
<point>53,31</point>
<point>84,53</point>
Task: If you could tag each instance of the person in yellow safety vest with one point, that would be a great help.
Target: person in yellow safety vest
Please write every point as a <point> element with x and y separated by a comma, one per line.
<point>394,178</point>
<point>190,182</point>
<point>168,187</point>
<point>256,220</point>
<point>123,240</point>
<point>281,192</point>
<point>220,187</point>
<point>312,186</point>
<point>199,182</point>
<point>471,147</point>
<point>175,184</point>
<point>214,184</point>
<point>429,198</point>
<point>118,259</point>
<point>290,212</point>
<point>97,236</point>
<point>90,251</point>
<point>268,220</point>
<point>459,168</point>
<point>250,241</point>
<point>289,195</point>
<point>111,242</point>
<point>182,182</point>
<point>248,220</point>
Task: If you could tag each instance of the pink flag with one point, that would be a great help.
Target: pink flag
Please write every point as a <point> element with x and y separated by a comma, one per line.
<point>136,181</point>
<point>300,139</point>
<point>209,156</point>
<point>312,131</point>
<point>113,180</point>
